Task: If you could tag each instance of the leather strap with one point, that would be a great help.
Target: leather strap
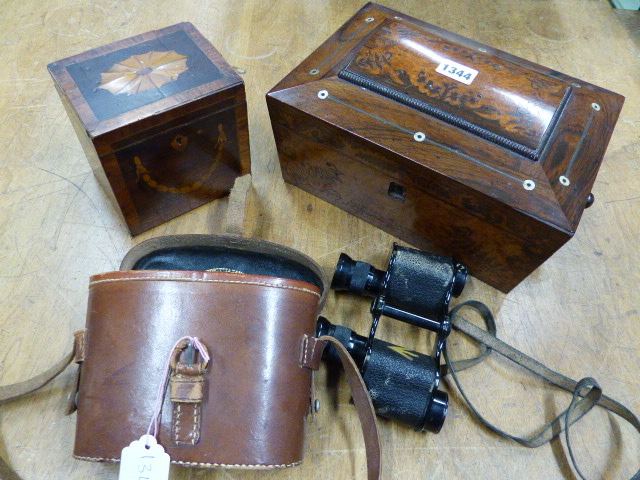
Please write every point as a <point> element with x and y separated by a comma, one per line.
<point>586,393</point>
<point>17,390</point>
<point>363,404</point>
<point>236,208</point>
<point>6,473</point>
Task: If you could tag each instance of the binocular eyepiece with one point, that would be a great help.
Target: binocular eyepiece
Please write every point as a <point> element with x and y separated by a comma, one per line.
<point>357,277</point>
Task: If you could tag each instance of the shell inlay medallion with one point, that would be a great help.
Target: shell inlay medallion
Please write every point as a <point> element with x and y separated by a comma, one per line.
<point>140,73</point>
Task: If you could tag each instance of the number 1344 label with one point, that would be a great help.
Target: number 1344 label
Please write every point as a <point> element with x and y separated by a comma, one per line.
<point>457,71</point>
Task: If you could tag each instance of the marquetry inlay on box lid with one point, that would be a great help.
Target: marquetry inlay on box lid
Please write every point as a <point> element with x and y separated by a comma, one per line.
<point>131,81</point>
<point>162,119</point>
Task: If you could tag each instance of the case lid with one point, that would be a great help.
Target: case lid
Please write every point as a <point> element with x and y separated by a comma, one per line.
<point>131,81</point>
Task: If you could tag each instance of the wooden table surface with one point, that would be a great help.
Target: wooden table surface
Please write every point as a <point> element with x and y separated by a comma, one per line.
<point>578,312</point>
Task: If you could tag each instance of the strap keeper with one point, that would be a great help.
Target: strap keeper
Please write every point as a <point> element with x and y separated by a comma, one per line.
<point>79,352</point>
<point>311,352</point>
<point>79,346</point>
<point>186,385</point>
<point>186,388</point>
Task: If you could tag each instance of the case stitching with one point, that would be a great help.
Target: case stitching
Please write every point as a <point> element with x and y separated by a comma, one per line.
<point>288,287</point>
<point>198,464</point>
<point>196,424</point>
<point>305,343</point>
<point>176,428</point>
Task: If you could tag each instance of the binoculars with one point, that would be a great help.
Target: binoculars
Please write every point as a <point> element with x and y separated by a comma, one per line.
<point>402,383</point>
<point>416,288</point>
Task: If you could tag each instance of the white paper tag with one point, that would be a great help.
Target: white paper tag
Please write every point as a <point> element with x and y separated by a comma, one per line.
<point>138,462</point>
<point>457,71</point>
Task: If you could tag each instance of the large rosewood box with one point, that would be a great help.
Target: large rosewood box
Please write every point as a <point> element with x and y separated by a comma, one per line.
<point>161,117</point>
<point>448,144</point>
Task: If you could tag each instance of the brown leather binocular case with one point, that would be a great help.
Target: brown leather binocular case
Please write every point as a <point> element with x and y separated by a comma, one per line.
<point>253,305</point>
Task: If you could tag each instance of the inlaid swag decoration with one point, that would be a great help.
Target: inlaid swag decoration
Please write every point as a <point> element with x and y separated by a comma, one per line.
<point>162,118</point>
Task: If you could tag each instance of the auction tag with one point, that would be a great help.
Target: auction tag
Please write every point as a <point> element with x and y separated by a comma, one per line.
<point>457,71</point>
<point>144,459</point>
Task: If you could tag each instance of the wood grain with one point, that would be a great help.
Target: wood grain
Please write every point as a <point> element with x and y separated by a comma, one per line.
<point>579,312</point>
<point>158,153</point>
<point>404,58</point>
<point>519,139</point>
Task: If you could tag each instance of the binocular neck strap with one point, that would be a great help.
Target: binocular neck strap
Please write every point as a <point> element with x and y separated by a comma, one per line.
<point>17,390</point>
<point>363,404</point>
<point>586,393</point>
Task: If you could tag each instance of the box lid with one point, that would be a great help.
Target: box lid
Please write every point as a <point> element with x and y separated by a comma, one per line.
<point>132,81</point>
<point>503,102</point>
<point>496,125</point>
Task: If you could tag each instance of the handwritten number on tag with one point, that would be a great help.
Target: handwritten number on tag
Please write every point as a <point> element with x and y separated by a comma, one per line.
<point>144,459</point>
<point>145,467</point>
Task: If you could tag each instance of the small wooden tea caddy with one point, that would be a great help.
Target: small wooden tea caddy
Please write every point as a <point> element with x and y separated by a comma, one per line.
<point>161,117</point>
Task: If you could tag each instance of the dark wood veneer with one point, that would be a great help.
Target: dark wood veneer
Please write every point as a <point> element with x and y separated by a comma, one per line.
<point>481,165</point>
<point>168,149</point>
